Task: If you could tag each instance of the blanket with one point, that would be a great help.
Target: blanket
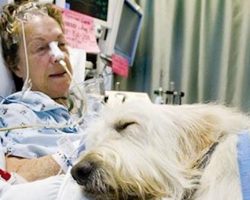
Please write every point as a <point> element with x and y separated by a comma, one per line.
<point>244,163</point>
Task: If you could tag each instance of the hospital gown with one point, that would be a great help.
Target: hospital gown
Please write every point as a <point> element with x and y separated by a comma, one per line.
<point>34,125</point>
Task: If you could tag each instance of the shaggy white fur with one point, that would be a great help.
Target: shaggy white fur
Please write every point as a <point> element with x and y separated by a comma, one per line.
<point>147,151</point>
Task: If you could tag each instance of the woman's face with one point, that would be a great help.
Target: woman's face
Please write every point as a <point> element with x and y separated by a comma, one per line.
<point>46,74</point>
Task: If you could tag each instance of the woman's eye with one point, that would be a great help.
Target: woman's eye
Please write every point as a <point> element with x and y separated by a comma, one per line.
<point>41,49</point>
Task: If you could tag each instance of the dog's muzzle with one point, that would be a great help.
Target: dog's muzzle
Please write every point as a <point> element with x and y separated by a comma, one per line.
<point>82,172</point>
<point>92,178</point>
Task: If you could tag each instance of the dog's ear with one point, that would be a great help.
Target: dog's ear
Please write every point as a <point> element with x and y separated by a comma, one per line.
<point>197,127</point>
<point>205,131</point>
<point>198,136</point>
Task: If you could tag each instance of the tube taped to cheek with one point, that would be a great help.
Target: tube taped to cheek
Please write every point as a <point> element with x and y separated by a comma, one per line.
<point>56,51</point>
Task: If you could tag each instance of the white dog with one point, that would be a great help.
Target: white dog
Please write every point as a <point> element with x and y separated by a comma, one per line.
<point>146,151</point>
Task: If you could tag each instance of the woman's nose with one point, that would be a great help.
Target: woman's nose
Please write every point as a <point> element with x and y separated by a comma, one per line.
<point>54,59</point>
<point>55,51</point>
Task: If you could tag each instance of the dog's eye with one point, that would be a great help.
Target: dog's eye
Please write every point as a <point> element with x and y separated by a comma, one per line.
<point>120,126</point>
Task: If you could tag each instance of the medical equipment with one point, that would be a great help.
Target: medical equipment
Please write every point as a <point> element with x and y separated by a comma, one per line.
<point>27,83</point>
<point>59,57</point>
<point>126,41</point>
<point>116,17</point>
<point>100,10</point>
<point>56,51</point>
<point>159,96</point>
<point>176,96</point>
<point>170,97</point>
<point>173,96</point>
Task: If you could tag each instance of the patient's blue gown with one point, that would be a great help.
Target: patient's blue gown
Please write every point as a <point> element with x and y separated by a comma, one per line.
<point>34,123</point>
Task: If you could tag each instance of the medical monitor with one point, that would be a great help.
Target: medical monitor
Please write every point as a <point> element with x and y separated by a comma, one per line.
<point>128,31</point>
<point>100,10</point>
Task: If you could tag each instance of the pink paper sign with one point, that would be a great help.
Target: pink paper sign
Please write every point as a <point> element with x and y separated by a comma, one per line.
<point>79,31</point>
<point>120,65</point>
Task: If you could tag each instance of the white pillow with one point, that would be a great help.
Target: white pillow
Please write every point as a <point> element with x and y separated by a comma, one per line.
<point>78,61</point>
<point>7,85</point>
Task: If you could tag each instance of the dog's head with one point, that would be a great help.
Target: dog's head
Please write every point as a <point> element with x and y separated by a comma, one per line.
<point>143,151</point>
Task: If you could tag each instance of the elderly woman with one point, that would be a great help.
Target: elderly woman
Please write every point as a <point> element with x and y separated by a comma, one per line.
<point>37,130</point>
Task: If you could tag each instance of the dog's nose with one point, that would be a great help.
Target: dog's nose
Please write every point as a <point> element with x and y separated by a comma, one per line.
<point>81,172</point>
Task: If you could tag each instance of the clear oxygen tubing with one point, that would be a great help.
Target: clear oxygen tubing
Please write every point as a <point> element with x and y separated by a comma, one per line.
<point>27,83</point>
<point>59,56</point>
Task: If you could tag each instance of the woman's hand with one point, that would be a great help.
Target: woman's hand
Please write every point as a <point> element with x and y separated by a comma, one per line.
<point>32,169</point>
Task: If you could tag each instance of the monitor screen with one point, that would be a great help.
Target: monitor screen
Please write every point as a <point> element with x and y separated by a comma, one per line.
<point>94,8</point>
<point>98,9</point>
<point>128,32</point>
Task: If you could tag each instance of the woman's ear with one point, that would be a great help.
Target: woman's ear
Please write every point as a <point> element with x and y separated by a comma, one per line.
<point>19,72</point>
